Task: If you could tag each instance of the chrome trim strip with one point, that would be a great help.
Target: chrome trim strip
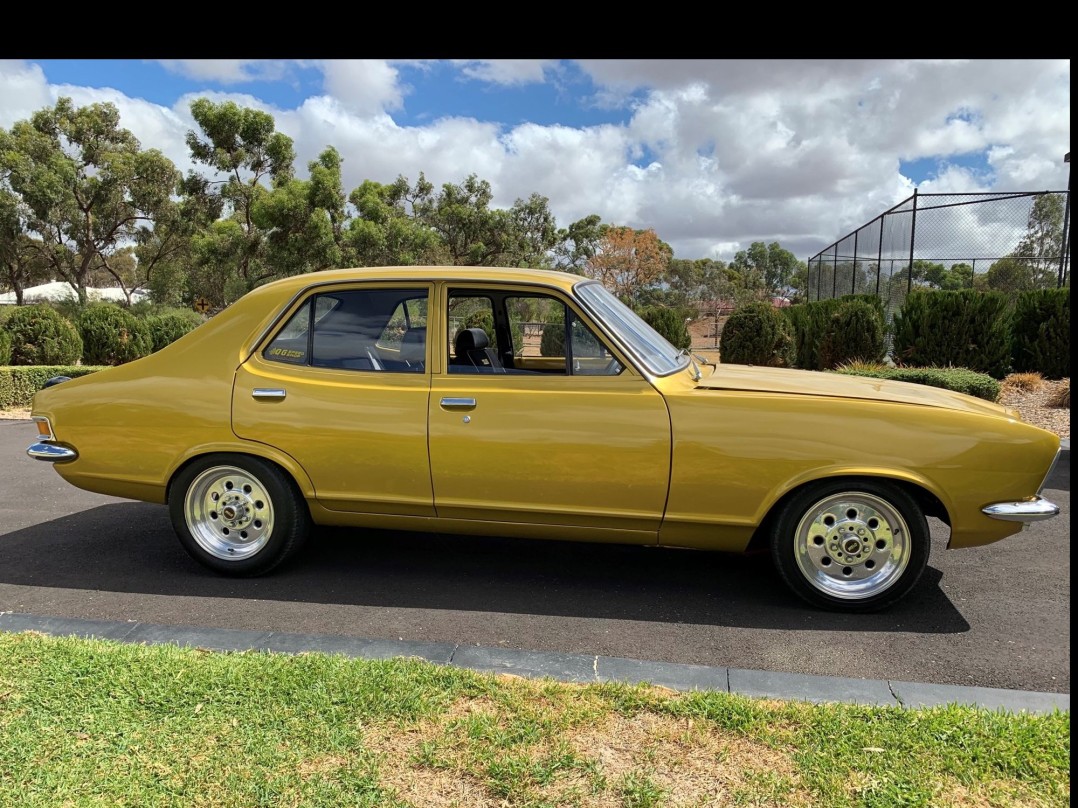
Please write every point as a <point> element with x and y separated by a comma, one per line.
<point>269,392</point>
<point>458,403</point>
<point>1051,468</point>
<point>52,453</point>
<point>1030,510</point>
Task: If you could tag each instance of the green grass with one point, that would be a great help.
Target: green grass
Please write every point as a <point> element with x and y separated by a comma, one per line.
<point>102,723</point>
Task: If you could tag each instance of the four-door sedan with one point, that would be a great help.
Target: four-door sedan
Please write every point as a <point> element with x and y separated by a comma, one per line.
<point>528,403</point>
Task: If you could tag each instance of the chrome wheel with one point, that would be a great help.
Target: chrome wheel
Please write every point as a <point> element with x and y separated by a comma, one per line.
<point>852,545</point>
<point>228,512</point>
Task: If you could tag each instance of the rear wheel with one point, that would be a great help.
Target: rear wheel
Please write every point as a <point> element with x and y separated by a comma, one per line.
<point>237,515</point>
<point>851,545</point>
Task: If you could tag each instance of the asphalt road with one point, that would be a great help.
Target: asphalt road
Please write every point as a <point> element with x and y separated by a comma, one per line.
<point>996,616</point>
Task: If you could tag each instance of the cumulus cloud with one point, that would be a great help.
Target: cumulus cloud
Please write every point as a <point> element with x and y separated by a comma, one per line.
<point>711,154</point>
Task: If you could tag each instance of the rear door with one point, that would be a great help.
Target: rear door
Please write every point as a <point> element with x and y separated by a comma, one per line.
<point>342,385</point>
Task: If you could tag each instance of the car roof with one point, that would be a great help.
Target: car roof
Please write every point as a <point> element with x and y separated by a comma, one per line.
<point>463,274</point>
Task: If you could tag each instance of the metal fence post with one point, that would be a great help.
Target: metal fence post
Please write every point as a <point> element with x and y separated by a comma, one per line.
<point>853,271</point>
<point>913,238</point>
<point>879,255</point>
<point>1066,228</point>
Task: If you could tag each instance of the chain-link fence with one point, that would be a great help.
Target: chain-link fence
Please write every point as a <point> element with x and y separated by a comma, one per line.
<point>1006,241</point>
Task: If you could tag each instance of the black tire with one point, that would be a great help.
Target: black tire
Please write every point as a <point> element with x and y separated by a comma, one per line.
<point>853,545</point>
<point>238,515</point>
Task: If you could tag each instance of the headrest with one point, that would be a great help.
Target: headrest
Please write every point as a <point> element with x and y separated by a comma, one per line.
<point>470,339</point>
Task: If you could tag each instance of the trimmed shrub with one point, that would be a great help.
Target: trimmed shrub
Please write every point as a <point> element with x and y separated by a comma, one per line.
<point>112,335</point>
<point>962,329</point>
<point>5,347</point>
<point>812,322</point>
<point>756,334</point>
<point>40,336</point>
<point>668,322</point>
<point>1040,330</point>
<point>961,380</point>
<point>552,342</point>
<point>854,332</point>
<point>169,326</point>
<point>18,384</point>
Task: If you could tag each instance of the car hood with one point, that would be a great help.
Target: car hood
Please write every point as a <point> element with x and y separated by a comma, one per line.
<point>838,385</point>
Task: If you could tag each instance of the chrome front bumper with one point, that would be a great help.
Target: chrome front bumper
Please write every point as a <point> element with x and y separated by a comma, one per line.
<point>1027,510</point>
<point>52,452</point>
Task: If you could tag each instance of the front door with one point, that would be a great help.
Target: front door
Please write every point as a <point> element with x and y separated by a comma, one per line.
<point>542,423</point>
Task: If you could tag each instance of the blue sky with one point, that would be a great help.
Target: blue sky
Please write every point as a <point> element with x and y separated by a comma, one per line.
<point>711,154</point>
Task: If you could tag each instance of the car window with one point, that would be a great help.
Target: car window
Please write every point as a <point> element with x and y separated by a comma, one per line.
<point>503,332</point>
<point>380,330</point>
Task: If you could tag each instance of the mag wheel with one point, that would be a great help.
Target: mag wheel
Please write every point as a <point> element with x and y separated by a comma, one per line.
<point>237,515</point>
<point>851,545</point>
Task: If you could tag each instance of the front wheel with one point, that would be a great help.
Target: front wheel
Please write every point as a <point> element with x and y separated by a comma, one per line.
<point>853,546</point>
<point>237,515</point>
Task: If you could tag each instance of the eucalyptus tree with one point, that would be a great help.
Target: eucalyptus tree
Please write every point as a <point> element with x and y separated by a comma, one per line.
<point>303,219</point>
<point>88,188</point>
<point>386,229</point>
<point>577,244</point>
<point>21,261</point>
<point>244,152</point>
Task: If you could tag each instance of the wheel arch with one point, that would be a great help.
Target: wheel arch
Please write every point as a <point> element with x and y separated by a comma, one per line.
<point>928,501</point>
<point>288,465</point>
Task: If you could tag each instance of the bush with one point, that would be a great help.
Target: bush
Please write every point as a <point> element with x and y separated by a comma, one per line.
<point>5,348</point>
<point>854,332</point>
<point>964,329</point>
<point>18,384</point>
<point>552,342</point>
<point>670,323</point>
<point>112,335</point>
<point>961,380</point>
<point>1040,329</point>
<point>40,336</point>
<point>167,327</point>
<point>812,322</point>
<point>756,334</point>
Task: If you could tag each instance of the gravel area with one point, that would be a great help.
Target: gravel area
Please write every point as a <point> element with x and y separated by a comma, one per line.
<point>1033,405</point>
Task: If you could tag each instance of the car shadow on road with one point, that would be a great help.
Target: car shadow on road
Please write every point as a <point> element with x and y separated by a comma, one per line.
<point>130,547</point>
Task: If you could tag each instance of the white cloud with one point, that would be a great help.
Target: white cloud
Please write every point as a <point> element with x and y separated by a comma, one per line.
<point>507,71</point>
<point>713,155</point>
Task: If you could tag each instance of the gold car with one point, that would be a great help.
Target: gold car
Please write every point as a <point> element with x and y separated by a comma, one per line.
<point>528,403</point>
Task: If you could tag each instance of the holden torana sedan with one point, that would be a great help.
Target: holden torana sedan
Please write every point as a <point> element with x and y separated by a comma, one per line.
<point>527,403</point>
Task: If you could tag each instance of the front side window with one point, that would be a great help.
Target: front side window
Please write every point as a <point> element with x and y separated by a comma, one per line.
<point>381,330</point>
<point>653,350</point>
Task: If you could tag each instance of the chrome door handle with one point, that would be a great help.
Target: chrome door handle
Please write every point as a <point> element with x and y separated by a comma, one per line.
<point>458,403</point>
<point>268,392</point>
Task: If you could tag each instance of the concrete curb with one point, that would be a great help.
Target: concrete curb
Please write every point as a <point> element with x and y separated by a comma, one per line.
<point>579,668</point>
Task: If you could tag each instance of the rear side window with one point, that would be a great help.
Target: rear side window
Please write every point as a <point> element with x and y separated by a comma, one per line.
<point>373,330</point>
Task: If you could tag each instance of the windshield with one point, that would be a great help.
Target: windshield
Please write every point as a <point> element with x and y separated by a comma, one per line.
<point>647,344</point>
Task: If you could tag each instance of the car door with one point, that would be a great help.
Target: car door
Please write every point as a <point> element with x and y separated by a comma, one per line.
<point>342,385</point>
<point>524,431</point>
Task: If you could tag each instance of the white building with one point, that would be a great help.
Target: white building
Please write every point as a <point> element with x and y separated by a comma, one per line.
<point>61,290</point>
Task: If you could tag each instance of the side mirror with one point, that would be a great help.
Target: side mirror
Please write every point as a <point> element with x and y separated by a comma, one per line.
<point>55,380</point>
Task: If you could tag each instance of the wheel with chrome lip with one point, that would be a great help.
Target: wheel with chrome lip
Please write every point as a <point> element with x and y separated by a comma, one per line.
<point>851,545</point>
<point>236,514</point>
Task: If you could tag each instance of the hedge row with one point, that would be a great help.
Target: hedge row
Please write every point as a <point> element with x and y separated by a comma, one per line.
<point>961,380</point>
<point>99,334</point>
<point>18,384</point>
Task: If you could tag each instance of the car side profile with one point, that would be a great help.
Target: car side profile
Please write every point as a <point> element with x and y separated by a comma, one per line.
<point>533,404</point>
